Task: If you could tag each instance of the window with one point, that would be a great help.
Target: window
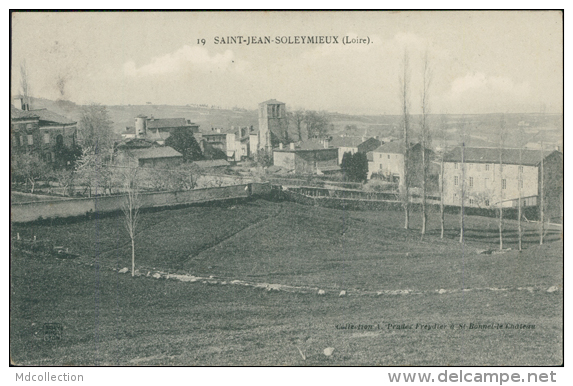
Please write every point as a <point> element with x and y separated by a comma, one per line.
<point>456,165</point>
<point>30,139</point>
<point>388,156</point>
<point>471,201</point>
<point>471,181</point>
<point>456,180</point>
<point>504,184</point>
<point>486,167</point>
<point>521,169</point>
<point>46,137</point>
<point>486,202</point>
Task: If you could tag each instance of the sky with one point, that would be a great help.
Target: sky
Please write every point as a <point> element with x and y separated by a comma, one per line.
<point>480,61</point>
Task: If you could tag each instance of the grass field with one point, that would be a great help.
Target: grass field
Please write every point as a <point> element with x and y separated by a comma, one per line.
<point>111,318</point>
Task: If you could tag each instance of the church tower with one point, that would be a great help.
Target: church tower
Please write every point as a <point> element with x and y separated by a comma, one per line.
<point>272,122</point>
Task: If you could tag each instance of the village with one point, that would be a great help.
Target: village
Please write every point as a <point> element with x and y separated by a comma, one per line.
<point>202,201</point>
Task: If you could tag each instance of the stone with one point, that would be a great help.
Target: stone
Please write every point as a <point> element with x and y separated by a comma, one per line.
<point>124,270</point>
<point>156,276</point>
<point>321,292</point>
<point>552,289</point>
<point>342,293</point>
<point>442,291</point>
<point>328,351</point>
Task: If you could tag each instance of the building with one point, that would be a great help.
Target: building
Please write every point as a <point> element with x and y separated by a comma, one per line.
<point>387,162</point>
<point>159,129</point>
<point>155,156</point>
<point>40,131</point>
<point>485,185</point>
<point>354,145</point>
<point>224,140</point>
<point>309,157</point>
<point>273,124</point>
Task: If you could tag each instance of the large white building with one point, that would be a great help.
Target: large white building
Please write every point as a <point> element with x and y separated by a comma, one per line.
<point>484,182</point>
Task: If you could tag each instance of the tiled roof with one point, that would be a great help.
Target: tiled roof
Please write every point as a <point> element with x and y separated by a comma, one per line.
<point>491,155</point>
<point>50,116</point>
<point>271,102</point>
<point>155,152</point>
<point>41,114</point>
<point>346,141</point>
<point>396,147</point>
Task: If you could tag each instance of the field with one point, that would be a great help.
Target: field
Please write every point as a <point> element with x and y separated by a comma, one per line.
<point>391,277</point>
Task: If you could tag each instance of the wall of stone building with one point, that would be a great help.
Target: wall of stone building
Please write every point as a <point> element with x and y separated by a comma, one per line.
<point>309,161</point>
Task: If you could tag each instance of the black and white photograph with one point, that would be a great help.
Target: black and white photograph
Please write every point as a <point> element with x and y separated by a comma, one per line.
<point>287,188</point>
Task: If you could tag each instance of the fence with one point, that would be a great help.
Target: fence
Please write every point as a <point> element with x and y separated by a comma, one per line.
<point>73,207</point>
<point>355,200</point>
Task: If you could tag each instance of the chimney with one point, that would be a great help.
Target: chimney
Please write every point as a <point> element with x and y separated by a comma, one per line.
<point>280,146</point>
<point>22,103</point>
<point>291,146</point>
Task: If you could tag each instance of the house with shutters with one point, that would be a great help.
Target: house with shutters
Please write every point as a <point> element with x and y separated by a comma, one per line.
<point>40,131</point>
<point>484,177</point>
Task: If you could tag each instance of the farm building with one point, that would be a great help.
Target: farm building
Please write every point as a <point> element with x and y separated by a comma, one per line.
<point>155,156</point>
<point>159,129</point>
<point>485,184</point>
<point>40,131</point>
<point>387,161</point>
<point>354,145</point>
<point>309,157</point>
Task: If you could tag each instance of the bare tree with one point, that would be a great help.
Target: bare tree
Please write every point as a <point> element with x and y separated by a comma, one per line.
<point>297,119</point>
<point>25,83</point>
<point>442,128</point>
<point>130,208</point>
<point>542,196</point>
<point>463,138</point>
<point>520,188</point>
<point>95,129</point>
<point>502,181</point>
<point>404,93</point>
<point>425,135</point>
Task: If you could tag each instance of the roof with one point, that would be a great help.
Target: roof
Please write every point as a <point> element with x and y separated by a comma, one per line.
<point>491,155</point>
<point>396,147</point>
<point>369,145</point>
<point>164,123</point>
<point>155,152</point>
<point>135,143</point>
<point>41,114</point>
<point>50,116</point>
<point>346,141</point>
<point>271,102</point>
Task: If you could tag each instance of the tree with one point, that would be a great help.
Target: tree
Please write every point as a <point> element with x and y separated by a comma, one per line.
<point>346,163</point>
<point>502,181</point>
<point>297,119</point>
<point>93,170</point>
<point>425,136</point>
<point>463,139</point>
<point>65,179</point>
<point>29,168</point>
<point>442,128</point>
<point>359,167</point>
<point>404,92</point>
<point>130,208</point>
<point>185,143</point>
<point>317,124</point>
<point>95,129</point>
<point>24,83</point>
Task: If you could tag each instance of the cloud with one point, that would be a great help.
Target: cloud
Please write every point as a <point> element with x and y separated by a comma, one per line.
<point>478,92</point>
<point>481,82</point>
<point>187,57</point>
